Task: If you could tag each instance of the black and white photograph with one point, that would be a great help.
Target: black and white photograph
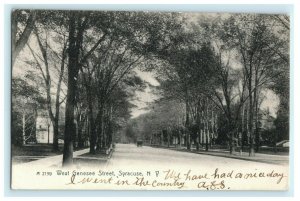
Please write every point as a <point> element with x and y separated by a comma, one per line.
<point>148,100</point>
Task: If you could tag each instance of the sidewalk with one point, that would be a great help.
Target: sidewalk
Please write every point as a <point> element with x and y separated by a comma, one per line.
<point>259,157</point>
<point>56,161</point>
<point>53,161</point>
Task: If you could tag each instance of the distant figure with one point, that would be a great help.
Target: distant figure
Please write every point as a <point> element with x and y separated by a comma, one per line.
<point>139,143</point>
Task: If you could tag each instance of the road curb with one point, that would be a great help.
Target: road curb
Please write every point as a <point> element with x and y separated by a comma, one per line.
<point>224,156</point>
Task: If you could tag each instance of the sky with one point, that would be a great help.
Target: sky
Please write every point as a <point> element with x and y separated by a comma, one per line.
<point>143,98</point>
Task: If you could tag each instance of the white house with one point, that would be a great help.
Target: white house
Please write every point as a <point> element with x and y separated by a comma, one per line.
<point>44,128</point>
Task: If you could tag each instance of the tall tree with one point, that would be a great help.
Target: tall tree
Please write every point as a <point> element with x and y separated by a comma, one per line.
<point>46,64</point>
<point>21,27</point>
<point>254,39</point>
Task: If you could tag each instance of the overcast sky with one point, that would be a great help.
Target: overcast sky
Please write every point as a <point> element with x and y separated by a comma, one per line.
<point>146,96</point>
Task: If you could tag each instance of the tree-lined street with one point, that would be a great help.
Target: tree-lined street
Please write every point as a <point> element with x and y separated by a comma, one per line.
<point>222,83</point>
<point>129,156</point>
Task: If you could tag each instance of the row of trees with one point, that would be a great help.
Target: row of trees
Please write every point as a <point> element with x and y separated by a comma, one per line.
<point>79,66</point>
<point>221,69</point>
<point>83,61</point>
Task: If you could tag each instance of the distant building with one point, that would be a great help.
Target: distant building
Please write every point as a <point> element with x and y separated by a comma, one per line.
<point>267,121</point>
<point>44,128</point>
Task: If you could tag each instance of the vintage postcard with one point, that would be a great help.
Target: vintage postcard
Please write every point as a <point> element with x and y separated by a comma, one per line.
<point>111,100</point>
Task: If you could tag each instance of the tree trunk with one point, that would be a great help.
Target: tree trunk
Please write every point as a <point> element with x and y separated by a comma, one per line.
<point>87,132</point>
<point>199,139</point>
<point>275,142</point>
<point>91,122</point>
<point>179,138</point>
<point>256,97</point>
<point>80,138</point>
<point>100,129</point>
<point>18,45</point>
<point>231,142</point>
<point>48,130</point>
<point>110,127</point>
<point>202,137</point>
<point>55,135</point>
<point>257,140</point>
<point>206,134</point>
<point>79,130</point>
<point>168,137</point>
<point>206,140</point>
<point>187,123</point>
<point>69,127</point>
<point>93,136</point>
<point>71,93</point>
<point>103,131</point>
<point>92,127</point>
<point>24,128</point>
<point>251,148</point>
<point>57,102</point>
<point>243,128</point>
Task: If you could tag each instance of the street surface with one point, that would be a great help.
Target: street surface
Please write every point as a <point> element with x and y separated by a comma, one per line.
<point>128,155</point>
<point>131,156</point>
<point>132,167</point>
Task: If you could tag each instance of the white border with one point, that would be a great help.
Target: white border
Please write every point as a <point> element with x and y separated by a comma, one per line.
<point>295,81</point>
